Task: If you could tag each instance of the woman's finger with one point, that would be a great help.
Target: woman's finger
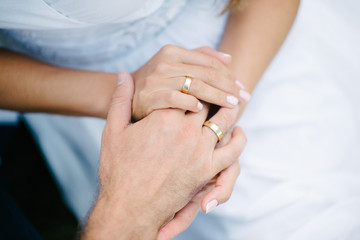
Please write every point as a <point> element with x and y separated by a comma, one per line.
<point>209,76</point>
<point>201,91</point>
<point>223,188</point>
<point>191,57</point>
<point>184,217</point>
<point>223,57</point>
<point>224,119</point>
<point>182,62</point>
<point>173,99</point>
<point>209,94</point>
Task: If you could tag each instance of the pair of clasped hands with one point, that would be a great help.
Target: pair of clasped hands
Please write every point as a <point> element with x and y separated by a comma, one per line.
<point>155,174</point>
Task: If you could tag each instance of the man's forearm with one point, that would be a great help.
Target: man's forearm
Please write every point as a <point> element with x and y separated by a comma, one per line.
<point>253,37</point>
<point>113,220</point>
<point>28,85</point>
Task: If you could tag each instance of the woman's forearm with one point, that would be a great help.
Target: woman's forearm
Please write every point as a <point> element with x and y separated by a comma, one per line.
<point>254,35</point>
<point>28,85</point>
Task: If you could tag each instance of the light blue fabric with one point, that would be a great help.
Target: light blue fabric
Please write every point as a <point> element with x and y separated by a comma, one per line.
<point>300,169</point>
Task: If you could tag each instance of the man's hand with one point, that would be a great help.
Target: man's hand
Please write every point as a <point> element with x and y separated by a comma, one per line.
<point>153,168</point>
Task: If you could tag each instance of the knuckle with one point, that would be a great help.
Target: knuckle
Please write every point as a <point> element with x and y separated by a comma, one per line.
<point>168,49</point>
<point>243,137</point>
<point>214,63</point>
<point>172,97</point>
<point>162,67</point>
<point>193,102</point>
<point>212,74</point>
<point>164,118</point>
<point>147,84</point>
<point>141,95</point>
<point>188,134</point>
<point>230,76</point>
<point>207,48</point>
<point>227,119</point>
<point>148,81</point>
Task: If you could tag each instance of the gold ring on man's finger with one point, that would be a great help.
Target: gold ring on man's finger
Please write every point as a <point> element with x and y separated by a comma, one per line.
<point>215,128</point>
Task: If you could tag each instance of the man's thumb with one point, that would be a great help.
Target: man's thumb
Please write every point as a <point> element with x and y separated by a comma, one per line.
<point>120,107</point>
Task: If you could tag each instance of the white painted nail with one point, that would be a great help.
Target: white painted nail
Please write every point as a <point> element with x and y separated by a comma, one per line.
<point>245,95</point>
<point>239,84</point>
<point>227,55</point>
<point>121,78</point>
<point>232,100</point>
<point>211,205</point>
<point>200,106</point>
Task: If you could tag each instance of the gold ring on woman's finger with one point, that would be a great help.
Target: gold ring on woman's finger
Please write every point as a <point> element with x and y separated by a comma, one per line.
<point>187,83</point>
<point>215,128</point>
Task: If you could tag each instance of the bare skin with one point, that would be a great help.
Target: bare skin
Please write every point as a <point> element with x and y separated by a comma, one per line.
<point>159,81</point>
<point>27,85</point>
<point>159,174</point>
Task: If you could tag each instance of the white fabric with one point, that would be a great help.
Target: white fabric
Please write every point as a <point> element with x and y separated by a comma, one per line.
<point>103,46</point>
<point>300,169</point>
<point>51,14</point>
<point>109,11</point>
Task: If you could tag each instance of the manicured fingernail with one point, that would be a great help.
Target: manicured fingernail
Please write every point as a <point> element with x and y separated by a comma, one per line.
<point>121,78</point>
<point>239,84</point>
<point>211,205</point>
<point>232,100</point>
<point>200,106</point>
<point>227,55</point>
<point>245,95</point>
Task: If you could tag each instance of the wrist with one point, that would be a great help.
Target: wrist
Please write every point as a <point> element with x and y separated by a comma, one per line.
<point>114,219</point>
<point>104,85</point>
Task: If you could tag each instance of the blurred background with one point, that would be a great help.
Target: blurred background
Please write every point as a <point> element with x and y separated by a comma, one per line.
<point>26,177</point>
<point>331,32</point>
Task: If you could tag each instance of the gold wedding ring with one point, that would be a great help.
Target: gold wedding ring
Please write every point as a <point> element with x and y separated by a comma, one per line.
<point>187,83</point>
<point>215,129</point>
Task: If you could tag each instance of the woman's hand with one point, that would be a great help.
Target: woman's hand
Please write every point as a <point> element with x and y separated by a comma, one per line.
<point>159,82</point>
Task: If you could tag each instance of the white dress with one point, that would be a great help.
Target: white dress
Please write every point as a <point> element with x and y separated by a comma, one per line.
<point>300,168</point>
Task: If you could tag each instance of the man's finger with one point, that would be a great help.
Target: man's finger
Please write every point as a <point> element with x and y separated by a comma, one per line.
<point>199,117</point>
<point>224,119</point>
<point>120,108</point>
